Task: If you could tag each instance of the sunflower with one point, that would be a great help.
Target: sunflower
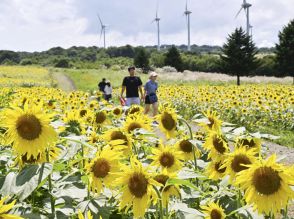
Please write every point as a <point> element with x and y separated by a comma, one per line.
<point>117,112</point>
<point>214,123</point>
<point>137,121</point>
<point>166,157</point>
<point>100,169</point>
<point>215,170</point>
<point>54,153</point>
<point>216,144</point>
<point>167,191</point>
<point>73,123</point>
<point>167,121</point>
<point>186,147</point>
<point>112,135</point>
<point>137,187</point>
<point>100,118</point>
<point>28,130</point>
<point>81,216</point>
<point>238,160</point>
<point>213,211</point>
<point>267,185</point>
<point>5,208</point>
<point>249,142</point>
<point>94,137</point>
<point>134,109</point>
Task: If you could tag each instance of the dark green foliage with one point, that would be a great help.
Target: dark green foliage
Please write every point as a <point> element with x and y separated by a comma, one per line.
<point>285,51</point>
<point>267,66</point>
<point>173,58</point>
<point>157,59</point>
<point>203,63</point>
<point>62,63</point>
<point>239,55</point>
<point>141,59</point>
<point>9,57</point>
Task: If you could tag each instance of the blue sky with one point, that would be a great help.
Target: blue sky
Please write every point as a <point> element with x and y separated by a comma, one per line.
<point>37,25</point>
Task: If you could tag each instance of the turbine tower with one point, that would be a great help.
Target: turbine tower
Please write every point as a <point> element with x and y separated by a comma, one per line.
<point>187,13</point>
<point>157,19</point>
<point>103,27</point>
<point>246,7</point>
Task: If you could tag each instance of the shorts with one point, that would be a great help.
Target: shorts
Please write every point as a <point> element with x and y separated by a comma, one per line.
<point>132,100</point>
<point>108,97</point>
<point>150,99</point>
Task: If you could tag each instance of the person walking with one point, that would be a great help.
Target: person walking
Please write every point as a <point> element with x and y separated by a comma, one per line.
<point>150,89</point>
<point>108,91</point>
<point>132,85</point>
<point>101,86</point>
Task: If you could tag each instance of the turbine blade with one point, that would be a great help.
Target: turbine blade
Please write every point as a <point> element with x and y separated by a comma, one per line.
<point>186,5</point>
<point>101,33</point>
<point>239,12</point>
<point>99,19</point>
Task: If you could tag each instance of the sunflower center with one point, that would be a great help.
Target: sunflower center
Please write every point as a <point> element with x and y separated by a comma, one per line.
<point>239,161</point>
<point>186,146</point>
<point>31,159</point>
<point>166,159</point>
<point>28,127</point>
<point>266,180</point>
<point>116,111</point>
<point>138,185</point>
<point>118,135</point>
<point>134,110</point>
<point>100,117</point>
<point>101,168</point>
<point>250,143</point>
<point>217,167</point>
<point>83,112</point>
<point>211,122</point>
<point>162,179</point>
<point>167,121</point>
<point>215,214</point>
<point>218,144</point>
<point>133,126</point>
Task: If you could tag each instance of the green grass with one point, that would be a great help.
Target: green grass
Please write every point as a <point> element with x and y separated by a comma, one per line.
<point>286,136</point>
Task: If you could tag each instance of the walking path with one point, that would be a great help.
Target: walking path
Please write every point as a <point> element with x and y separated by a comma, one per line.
<point>64,82</point>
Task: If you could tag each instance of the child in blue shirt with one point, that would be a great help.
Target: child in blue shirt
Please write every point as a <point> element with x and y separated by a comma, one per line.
<point>150,89</point>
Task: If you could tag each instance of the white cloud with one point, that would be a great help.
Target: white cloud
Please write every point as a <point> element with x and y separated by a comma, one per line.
<point>41,24</point>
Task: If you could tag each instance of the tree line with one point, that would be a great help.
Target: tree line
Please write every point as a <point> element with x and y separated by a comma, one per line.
<point>238,56</point>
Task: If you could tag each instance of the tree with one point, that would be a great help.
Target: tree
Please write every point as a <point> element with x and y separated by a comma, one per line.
<point>285,51</point>
<point>141,59</point>
<point>238,56</point>
<point>62,63</point>
<point>173,58</point>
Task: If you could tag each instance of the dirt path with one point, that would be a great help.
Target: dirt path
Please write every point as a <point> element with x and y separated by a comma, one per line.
<point>64,82</point>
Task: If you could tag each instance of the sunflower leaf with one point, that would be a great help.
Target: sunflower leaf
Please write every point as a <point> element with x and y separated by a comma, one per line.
<point>181,182</point>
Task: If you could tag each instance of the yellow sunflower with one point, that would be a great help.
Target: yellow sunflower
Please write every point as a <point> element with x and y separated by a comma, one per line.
<point>137,121</point>
<point>186,147</point>
<point>135,109</point>
<point>81,216</point>
<point>238,160</point>
<point>216,144</point>
<point>249,142</point>
<point>5,208</point>
<point>167,121</point>
<point>214,123</point>
<point>167,157</point>
<point>213,211</point>
<point>100,169</point>
<point>100,118</point>
<point>267,185</point>
<point>28,130</point>
<point>215,170</point>
<point>137,187</point>
<point>117,112</point>
<point>54,153</point>
<point>167,191</point>
<point>73,123</point>
<point>112,135</point>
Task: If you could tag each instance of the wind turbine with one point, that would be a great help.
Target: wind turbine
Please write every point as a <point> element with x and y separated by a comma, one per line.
<point>157,19</point>
<point>103,27</point>
<point>187,13</point>
<point>251,28</point>
<point>246,7</point>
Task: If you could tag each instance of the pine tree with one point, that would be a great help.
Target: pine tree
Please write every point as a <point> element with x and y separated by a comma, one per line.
<point>141,59</point>
<point>285,51</point>
<point>173,58</point>
<point>238,57</point>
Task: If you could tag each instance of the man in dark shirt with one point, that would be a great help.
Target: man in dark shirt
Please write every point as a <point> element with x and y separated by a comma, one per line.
<point>101,86</point>
<point>132,84</point>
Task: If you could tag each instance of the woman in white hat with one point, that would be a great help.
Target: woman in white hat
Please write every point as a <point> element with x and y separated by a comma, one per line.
<point>150,89</point>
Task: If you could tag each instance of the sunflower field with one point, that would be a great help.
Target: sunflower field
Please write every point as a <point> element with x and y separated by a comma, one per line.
<point>74,155</point>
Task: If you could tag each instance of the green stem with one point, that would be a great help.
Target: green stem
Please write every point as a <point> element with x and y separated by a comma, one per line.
<point>166,208</point>
<point>160,203</point>
<point>50,187</point>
